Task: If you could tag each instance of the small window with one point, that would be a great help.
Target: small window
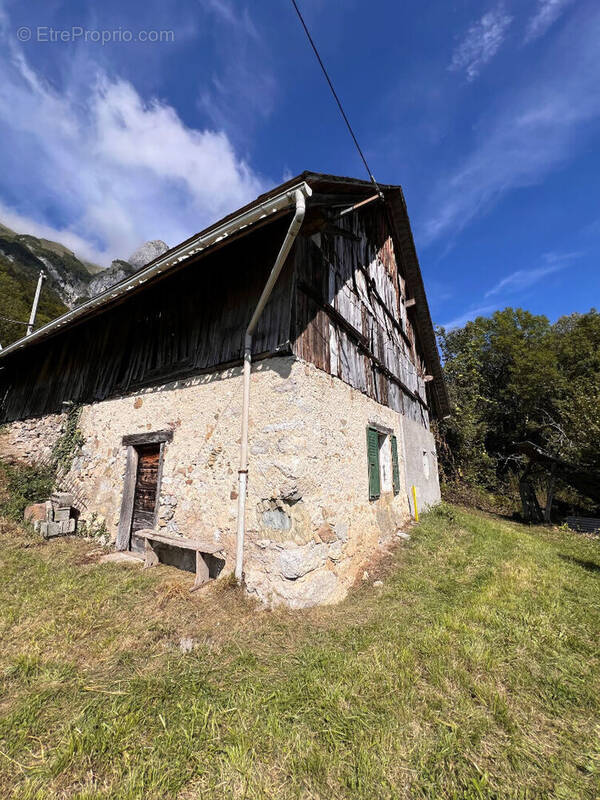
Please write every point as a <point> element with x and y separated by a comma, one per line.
<point>426,465</point>
<point>382,456</point>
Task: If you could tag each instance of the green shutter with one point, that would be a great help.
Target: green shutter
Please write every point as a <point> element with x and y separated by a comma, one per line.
<point>373,459</point>
<point>395,468</point>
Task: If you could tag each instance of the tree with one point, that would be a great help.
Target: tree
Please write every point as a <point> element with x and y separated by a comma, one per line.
<point>513,377</point>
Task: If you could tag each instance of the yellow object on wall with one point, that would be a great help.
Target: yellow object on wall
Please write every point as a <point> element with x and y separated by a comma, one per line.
<point>414,494</point>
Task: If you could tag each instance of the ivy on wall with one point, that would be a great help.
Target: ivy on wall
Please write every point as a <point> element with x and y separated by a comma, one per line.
<point>69,442</point>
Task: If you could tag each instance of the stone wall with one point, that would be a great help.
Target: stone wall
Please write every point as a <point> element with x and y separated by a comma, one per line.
<point>421,465</point>
<point>310,524</point>
<point>30,441</point>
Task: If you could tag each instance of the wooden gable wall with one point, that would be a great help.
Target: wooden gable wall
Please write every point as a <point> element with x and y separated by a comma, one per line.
<point>350,317</point>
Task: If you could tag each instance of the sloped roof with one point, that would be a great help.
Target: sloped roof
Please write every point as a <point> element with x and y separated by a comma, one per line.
<point>328,190</point>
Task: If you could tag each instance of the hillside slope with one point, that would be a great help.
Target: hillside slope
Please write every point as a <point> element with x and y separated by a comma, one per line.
<point>70,280</point>
<point>18,280</point>
<point>471,673</point>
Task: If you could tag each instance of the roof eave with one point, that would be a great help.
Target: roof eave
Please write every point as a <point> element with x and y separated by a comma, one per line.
<point>259,211</point>
<point>404,240</point>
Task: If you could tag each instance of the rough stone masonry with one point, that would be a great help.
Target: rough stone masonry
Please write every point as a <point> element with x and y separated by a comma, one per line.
<point>310,524</point>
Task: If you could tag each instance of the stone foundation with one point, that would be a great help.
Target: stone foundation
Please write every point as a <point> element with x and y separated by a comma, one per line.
<point>310,524</point>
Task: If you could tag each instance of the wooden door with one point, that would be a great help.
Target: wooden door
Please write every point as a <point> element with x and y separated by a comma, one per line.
<point>144,498</point>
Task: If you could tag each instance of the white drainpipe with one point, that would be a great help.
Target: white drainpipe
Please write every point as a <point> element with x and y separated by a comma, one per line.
<point>299,197</point>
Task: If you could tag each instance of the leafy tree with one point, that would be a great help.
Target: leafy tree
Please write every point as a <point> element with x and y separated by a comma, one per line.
<point>513,377</point>
<point>576,430</point>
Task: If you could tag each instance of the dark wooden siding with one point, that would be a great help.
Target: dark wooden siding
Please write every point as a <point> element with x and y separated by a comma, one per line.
<point>350,317</point>
<point>188,322</point>
<point>340,301</point>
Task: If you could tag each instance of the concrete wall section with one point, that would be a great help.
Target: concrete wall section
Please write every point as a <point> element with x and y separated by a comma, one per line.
<point>310,524</point>
<point>421,465</point>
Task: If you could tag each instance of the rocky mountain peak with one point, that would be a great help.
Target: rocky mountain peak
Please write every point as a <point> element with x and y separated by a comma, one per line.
<point>70,280</point>
<point>147,253</point>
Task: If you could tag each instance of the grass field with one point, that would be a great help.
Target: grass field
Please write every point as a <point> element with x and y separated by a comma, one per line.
<point>472,673</point>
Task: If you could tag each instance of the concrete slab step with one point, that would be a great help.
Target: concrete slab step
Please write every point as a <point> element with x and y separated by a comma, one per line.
<point>122,557</point>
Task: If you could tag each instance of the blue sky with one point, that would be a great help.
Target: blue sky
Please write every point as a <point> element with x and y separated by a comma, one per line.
<point>488,114</point>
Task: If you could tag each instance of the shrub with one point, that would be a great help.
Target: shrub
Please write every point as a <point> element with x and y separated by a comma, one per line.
<point>468,494</point>
<point>21,485</point>
<point>443,512</point>
<point>70,440</point>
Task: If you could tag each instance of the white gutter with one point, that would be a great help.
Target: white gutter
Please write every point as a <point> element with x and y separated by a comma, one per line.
<point>299,196</point>
<point>202,242</point>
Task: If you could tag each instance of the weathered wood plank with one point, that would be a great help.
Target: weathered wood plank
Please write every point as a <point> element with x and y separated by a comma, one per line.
<point>126,516</point>
<point>370,344</point>
<point>152,437</point>
<point>189,322</point>
<point>200,545</point>
<point>202,572</point>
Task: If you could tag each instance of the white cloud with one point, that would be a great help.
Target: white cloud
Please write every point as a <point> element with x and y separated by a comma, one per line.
<point>516,282</point>
<point>536,129</point>
<point>592,228</point>
<point>524,278</point>
<point>548,11</point>
<point>224,10</point>
<point>562,258</point>
<point>101,169</point>
<point>459,322</point>
<point>481,43</point>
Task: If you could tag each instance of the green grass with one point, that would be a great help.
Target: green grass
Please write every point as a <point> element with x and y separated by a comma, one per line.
<point>472,673</point>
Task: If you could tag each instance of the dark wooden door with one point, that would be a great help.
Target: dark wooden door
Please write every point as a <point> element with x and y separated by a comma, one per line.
<point>144,499</point>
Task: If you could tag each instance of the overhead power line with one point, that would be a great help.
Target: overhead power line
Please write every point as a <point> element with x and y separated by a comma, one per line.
<point>16,321</point>
<point>337,99</point>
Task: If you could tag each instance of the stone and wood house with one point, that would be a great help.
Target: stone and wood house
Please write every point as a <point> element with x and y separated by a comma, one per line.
<point>265,390</point>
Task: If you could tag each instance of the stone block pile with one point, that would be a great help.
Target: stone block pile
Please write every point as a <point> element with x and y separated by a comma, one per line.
<point>55,517</point>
